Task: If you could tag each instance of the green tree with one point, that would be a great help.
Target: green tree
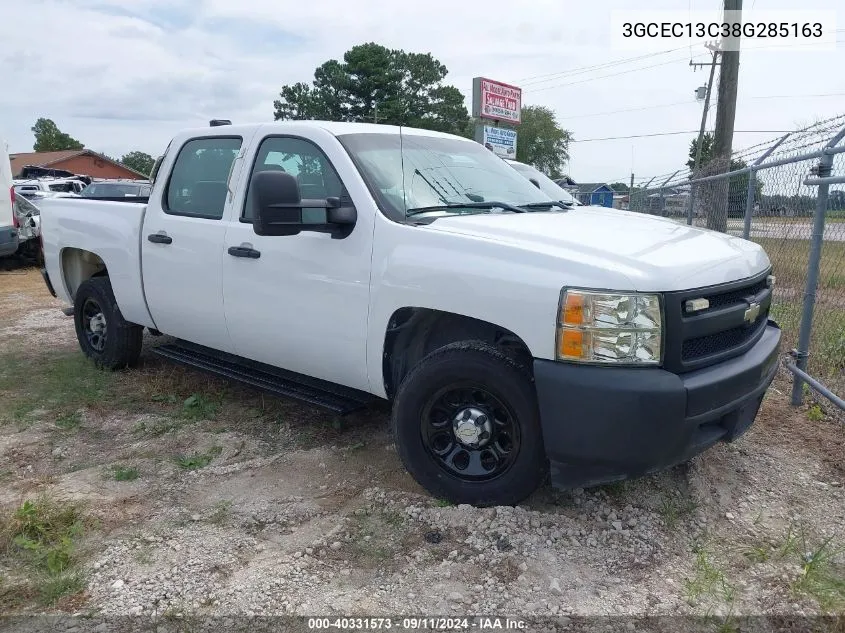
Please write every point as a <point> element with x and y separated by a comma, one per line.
<point>619,187</point>
<point>737,185</point>
<point>48,137</point>
<point>377,84</point>
<point>541,141</point>
<point>139,161</point>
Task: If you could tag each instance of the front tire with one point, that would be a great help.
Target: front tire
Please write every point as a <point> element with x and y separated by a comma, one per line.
<point>467,426</point>
<point>103,334</point>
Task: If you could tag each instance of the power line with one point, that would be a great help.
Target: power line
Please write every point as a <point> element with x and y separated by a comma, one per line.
<point>618,138</point>
<point>622,72</point>
<point>649,107</point>
<point>580,70</point>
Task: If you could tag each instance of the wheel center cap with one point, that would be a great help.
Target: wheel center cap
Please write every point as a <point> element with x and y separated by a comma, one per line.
<point>472,427</point>
<point>97,323</point>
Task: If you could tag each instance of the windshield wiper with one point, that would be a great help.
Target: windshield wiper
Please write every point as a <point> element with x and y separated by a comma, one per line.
<point>550,203</point>
<point>489,204</point>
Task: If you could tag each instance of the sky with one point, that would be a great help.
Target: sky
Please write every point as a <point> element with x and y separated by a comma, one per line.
<point>127,75</point>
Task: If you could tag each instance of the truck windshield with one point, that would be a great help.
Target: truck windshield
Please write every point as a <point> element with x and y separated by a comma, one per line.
<point>440,174</point>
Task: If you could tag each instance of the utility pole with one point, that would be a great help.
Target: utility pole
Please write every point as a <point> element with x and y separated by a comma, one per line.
<point>375,113</point>
<point>725,115</point>
<point>631,192</point>
<point>709,90</point>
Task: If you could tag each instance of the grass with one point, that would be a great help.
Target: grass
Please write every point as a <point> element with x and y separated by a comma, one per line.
<point>63,383</point>
<point>40,537</point>
<point>820,564</point>
<point>124,473</point>
<point>199,407</point>
<point>821,577</point>
<point>195,461</point>
<point>69,421</point>
<point>674,508</point>
<point>708,581</point>
<point>790,260</point>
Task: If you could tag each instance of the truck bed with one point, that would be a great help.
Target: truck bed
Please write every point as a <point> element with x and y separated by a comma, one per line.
<point>105,228</point>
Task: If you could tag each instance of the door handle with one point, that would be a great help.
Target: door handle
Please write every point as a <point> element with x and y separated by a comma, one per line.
<point>160,238</point>
<point>244,251</point>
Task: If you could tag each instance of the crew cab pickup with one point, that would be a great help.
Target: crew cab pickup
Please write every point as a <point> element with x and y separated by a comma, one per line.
<point>341,263</point>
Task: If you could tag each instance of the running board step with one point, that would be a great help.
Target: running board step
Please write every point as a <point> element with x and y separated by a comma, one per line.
<point>278,382</point>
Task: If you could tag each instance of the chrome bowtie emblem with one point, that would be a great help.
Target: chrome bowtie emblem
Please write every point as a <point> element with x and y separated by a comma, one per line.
<point>752,313</point>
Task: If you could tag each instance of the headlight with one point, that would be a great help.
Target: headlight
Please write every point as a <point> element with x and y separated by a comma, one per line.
<point>605,327</point>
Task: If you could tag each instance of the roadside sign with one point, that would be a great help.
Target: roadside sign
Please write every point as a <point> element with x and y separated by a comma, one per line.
<point>499,140</point>
<point>496,100</point>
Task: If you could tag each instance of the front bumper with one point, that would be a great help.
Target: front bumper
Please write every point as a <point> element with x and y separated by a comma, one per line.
<point>601,424</point>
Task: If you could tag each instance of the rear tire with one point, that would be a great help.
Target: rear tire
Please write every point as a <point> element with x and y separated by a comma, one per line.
<point>103,334</point>
<point>467,426</point>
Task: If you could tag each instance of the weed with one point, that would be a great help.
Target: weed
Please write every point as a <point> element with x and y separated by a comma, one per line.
<point>443,503</point>
<point>125,473</point>
<point>393,518</point>
<point>821,578</point>
<point>69,421</point>
<point>196,461</point>
<point>790,544</point>
<point>709,580</point>
<point>198,407</point>
<point>67,383</point>
<point>42,534</point>
<point>815,413</point>
<point>220,512</point>
<point>615,489</point>
<point>673,509</point>
<point>51,588</point>
<point>758,553</point>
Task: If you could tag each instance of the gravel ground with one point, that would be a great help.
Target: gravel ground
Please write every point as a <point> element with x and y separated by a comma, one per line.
<point>292,516</point>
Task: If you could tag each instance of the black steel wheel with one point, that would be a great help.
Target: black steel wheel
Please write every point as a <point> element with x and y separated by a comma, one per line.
<point>103,334</point>
<point>470,432</point>
<point>467,426</point>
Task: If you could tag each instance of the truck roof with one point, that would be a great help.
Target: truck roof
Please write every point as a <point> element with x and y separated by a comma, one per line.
<point>336,128</point>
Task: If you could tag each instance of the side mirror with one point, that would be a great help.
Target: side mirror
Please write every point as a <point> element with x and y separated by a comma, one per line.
<point>278,203</point>
<point>535,182</point>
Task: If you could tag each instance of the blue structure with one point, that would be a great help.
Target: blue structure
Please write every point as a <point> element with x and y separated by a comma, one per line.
<point>594,193</point>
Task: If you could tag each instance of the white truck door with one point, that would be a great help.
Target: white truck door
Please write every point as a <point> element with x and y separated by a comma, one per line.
<point>182,243</point>
<point>302,303</point>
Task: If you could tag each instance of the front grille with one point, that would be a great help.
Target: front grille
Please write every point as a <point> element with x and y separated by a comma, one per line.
<point>710,344</point>
<point>735,296</point>
<point>694,341</point>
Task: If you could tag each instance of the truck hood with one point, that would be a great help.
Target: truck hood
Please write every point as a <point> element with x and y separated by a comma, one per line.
<point>653,253</point>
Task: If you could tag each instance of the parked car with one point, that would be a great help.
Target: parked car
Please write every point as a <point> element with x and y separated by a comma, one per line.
<point>117,189</point>
<point>512,336</point>
<point>29,226</point>
<point>544,183</point>
<point>32,187</point>
<point>8,220</point>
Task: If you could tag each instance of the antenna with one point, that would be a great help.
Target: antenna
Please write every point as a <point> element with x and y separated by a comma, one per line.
<point>402,164</point>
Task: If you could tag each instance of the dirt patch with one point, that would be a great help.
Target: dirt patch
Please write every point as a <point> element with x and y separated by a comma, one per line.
<point>206,499</point>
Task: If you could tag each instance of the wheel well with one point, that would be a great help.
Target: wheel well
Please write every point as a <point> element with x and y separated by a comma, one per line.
<point>413,333</point>
<point>79,265</point>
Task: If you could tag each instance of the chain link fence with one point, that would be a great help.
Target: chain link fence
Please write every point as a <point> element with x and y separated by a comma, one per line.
<point>788,195</point>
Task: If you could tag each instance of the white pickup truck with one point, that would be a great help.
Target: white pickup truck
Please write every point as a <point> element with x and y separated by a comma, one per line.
<point>340,263</point>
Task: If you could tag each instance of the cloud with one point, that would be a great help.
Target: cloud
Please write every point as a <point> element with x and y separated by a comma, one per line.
<point>122,76</point>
